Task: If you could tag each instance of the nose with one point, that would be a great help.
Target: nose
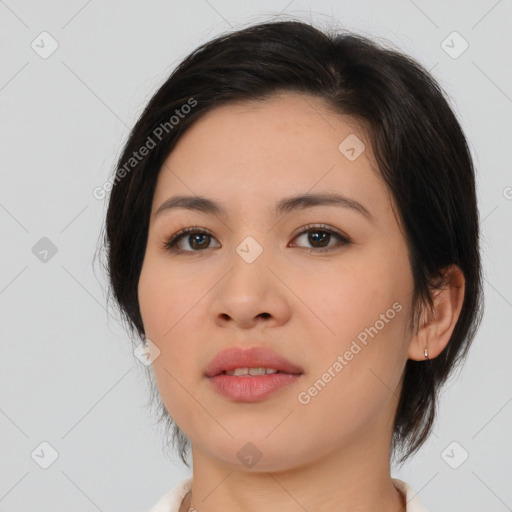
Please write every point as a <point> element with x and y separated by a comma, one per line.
<point>251,295</point>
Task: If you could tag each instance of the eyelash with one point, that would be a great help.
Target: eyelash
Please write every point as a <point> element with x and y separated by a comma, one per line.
<point>170,244</point>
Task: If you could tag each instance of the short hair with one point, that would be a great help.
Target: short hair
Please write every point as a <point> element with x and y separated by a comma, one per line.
<point>418,144</point>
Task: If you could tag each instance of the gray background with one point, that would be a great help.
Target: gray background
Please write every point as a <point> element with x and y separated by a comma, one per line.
<point>68,376</point>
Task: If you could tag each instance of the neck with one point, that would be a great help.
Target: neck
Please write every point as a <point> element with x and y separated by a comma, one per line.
<point>338,482</point>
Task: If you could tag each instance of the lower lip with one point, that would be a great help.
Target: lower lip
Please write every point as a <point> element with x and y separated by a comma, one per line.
<point>251,388</point>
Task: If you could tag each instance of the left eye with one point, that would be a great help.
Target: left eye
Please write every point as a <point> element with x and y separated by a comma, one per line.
<point>318,236</point>
<point>198,239</point>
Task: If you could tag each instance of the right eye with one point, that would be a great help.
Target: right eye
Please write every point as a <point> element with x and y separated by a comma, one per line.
<point>197,238</point>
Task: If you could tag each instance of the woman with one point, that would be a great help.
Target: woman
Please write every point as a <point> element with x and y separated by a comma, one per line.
<point>293,232</point>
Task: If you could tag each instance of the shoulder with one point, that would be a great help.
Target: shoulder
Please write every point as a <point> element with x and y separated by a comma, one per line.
<point>171,501</point>
<point>412,501</point>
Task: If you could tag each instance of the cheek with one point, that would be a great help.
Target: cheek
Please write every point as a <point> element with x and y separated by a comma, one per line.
<point>164,305</point>
<point>367,307</point>
<point>170,306</point>
<point>152,290</point>
<point>351,294</point>
<point>356,378</point>
<point>165,297</point>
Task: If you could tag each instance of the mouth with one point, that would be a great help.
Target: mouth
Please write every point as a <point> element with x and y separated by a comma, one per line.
<point>250,375</point>
<point>254,361</point>
<point>251,372</point>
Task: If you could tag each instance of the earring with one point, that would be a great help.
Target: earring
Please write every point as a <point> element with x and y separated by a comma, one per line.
<point>426,353</point>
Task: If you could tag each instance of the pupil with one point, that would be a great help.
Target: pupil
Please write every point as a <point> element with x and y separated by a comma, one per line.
<point>315,239</point>
<point>195,237</point>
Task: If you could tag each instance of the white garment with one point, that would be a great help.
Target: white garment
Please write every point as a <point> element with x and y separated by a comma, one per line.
<point>171,501</point>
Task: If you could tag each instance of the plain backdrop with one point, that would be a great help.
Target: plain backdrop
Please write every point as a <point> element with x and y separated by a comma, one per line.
<point>68,376</point>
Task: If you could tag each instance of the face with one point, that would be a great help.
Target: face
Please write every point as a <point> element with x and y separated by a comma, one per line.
<point>326,286</point>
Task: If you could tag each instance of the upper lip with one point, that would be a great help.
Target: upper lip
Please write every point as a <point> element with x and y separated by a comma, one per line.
<point>253,357</point>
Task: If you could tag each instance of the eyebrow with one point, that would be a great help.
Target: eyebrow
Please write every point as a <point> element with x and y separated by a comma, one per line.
<point>299,202</point>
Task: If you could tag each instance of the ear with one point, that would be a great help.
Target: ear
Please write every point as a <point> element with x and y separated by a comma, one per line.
<point>436,324</point>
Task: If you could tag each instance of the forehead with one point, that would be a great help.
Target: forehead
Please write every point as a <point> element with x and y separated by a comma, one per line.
<point>250,151</point>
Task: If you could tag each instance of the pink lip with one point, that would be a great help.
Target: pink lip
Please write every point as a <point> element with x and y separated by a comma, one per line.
<point>250,388</point>
<point>253,357</point>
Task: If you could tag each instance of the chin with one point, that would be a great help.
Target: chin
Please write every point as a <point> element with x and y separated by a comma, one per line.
<point>253,454</point>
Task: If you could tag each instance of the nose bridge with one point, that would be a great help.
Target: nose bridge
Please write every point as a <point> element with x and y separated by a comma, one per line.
<point>247,276</point>
<point>249,290</point>
<point>250,235</point>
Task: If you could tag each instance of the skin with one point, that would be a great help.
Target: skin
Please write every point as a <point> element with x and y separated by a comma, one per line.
<point>331,454</point>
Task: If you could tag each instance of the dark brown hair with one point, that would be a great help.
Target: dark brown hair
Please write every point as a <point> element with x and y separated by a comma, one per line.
<point>419,146</point>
